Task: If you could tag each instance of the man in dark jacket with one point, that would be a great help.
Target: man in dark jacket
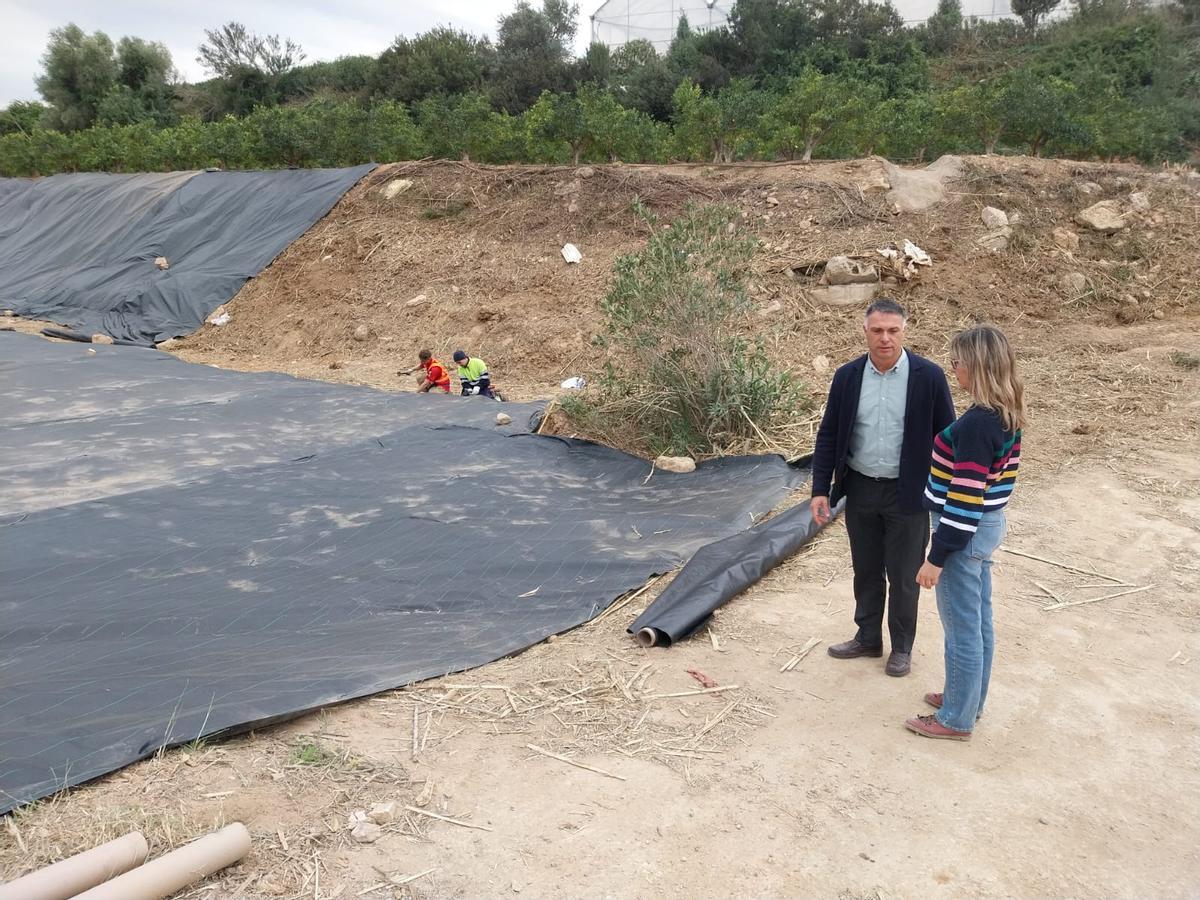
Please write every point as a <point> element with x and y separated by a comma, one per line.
<point>873,448</point>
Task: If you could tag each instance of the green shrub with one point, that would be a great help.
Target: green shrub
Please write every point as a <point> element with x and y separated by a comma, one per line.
<point>684,374</point>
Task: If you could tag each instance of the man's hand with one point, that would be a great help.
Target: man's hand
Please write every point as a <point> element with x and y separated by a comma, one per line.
<point>820,510</point>
<point>929,575</point>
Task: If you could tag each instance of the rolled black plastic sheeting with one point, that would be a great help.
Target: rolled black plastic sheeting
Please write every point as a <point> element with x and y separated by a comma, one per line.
<point>720,571</point>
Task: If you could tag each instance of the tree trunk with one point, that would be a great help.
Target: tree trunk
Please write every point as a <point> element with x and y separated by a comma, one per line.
<point>920,154</point>
<point>810,144</point>
<point>1035,146</point>
<point>576,150</point>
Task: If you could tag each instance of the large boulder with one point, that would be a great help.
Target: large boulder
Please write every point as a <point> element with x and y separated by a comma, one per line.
<point>916,189</point>
<point>1104,216</point>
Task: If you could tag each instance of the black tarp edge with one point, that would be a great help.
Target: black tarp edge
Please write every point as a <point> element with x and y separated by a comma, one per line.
<point>720,571</point>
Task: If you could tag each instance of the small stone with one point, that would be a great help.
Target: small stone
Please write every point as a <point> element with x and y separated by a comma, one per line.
<point>169,344</point>
<point>844,270</point>
<point>162,262</point>
<point>1139,200</point>
<point>573,208</point>
<point>395,188</point>
<point>1065,239</point>
<point>1082,428</point>
<point>996,239</point>
<point>454,288</point>
<point>416,301</point>
<point>994,218</point>
<point>336,364</point>
<point>503,419</point>
<point>361,333</point>
<point>681,464</point>
<point>773,307</point>
<point>1159,314</point>
<point>1129,300</point>
<point>772,201</point>
<point>101,339</point>
<point>8,314</point>
<point>1090,187</point>
<point>585,172</point>
<point>820,363</point>
<point>1073,284</point>
<point>366,832</point>
<point>1103,216</point>
<point>383,813</point>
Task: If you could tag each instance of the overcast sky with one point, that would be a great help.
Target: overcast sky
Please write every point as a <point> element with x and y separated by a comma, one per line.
<point>326,29</point>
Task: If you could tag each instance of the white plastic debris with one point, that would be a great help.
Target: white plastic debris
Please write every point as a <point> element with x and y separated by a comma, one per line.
<point>571,253</point>
<point>222,319</point>
<point>916,254</point>
<point>574,383</point>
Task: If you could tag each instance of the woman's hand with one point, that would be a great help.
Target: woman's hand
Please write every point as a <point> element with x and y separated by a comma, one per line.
<point>929,575</point>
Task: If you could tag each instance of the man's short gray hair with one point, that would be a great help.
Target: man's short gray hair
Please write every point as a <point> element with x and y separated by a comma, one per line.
<point>887,305</point>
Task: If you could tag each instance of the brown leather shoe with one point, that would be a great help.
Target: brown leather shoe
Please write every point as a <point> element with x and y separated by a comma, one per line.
<point>934,699</point>
<point>852,649</point>
<point>898,664</point>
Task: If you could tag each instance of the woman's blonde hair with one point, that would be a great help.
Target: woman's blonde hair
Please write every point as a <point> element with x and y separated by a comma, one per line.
<point>992,369</point>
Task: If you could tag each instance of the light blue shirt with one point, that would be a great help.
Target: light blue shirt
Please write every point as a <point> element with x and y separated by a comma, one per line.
<point>879,425</point>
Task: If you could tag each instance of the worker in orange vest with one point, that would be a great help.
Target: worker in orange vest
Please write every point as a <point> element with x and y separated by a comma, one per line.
<point>432,375</point>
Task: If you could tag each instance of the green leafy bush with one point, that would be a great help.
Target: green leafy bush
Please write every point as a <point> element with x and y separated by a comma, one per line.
<point>684,374</point>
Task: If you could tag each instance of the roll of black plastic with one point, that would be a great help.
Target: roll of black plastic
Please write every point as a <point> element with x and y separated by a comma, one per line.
<point>720,571</point>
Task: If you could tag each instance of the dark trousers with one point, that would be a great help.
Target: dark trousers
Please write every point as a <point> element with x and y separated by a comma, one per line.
<point>884,542</point>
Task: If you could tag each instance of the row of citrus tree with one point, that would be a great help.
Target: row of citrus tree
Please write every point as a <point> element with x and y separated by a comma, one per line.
<point>813,115</point>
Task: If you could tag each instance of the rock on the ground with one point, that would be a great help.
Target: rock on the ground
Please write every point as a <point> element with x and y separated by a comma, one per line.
<point>383,813</point>
<point>1073,284</point>
<point>169,344</point>
<point>503,419</point>
<point>772,200</point>
<point>8,314</point>
<point>820,363</point>
<point>162,262</point>
<point>1089,188</point>
<point>996,239</point>
<point>771,308</point>
<point>844,294</point>
<point>1103,216</point>
<point>366,832</point>
<point>416,301</point>
<point>1065,239</point>
<point>101,339</point>
<point>585,172</point>
<point>395,188</point>
<point>1159,314</point>
<point>994,218</point>
<point>916,189</point>
<point>681,464</point>
<point>361,333</point>
<point>1139,200</point>
<point>844,270</point>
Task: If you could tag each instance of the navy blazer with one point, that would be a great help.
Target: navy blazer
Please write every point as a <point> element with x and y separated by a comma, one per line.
<point>928,409</point>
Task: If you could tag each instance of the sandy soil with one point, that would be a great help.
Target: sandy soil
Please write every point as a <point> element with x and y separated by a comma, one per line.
<point>1081,780</point>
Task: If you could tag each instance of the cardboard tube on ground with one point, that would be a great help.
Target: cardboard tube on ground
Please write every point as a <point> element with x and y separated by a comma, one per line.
<point>179,868</point>
<point>70,876</point>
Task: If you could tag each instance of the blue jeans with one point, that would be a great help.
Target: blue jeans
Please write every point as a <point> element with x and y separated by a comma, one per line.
<point>964,600</point>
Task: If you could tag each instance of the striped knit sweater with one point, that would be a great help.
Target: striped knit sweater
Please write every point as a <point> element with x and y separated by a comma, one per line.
<point>973,471</point>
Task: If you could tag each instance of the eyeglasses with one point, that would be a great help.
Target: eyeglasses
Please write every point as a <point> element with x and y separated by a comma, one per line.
<point>955,363</point>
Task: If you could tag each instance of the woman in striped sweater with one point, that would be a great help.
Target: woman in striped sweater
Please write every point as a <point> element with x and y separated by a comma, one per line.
<point>971,478</point>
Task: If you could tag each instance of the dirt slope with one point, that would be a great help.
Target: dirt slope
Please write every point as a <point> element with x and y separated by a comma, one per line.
<point>1081,780</point>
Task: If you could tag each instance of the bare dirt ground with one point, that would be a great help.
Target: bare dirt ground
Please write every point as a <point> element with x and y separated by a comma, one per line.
<point>1082,778</point>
